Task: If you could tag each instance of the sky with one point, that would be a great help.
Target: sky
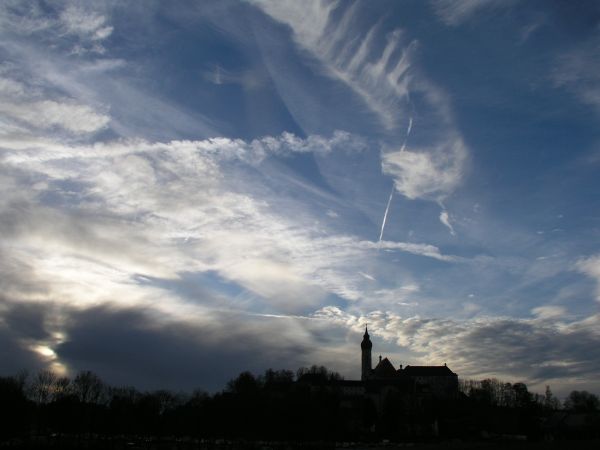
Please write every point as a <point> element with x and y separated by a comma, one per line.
<point>194,189</point>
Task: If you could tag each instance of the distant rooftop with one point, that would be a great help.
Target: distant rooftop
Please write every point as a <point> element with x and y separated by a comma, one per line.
<point>428,371</point>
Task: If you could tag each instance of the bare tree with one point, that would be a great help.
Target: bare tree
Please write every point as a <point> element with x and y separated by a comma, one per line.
<point>317,372</point>
<point>582,401</point>
<point>245,383</point>
<point>62,388</point>
<point>42,386</point>
<point>550,401</point>
<point>523,397</point>
<point>88,387</point>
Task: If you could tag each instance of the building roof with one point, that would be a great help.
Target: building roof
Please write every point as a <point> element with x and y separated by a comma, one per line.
<point>428,371</point>
<point>384,369</point>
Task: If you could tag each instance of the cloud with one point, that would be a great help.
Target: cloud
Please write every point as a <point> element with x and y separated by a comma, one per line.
<point>455,12</point>
<point>70,116</point>
<point>427,250</point>
<point>85,23</point>
<point>59,22</point>
<point>381,83</point>
<point>124,345</point>
<point>28,106</point>
<point>81,29</point>
<point>529,30</point>
<point>204,154</point>
<point>22,329</point>
<point>390,85</point>
<point>431,175</point>
<point>251,79</point>
<point>177,229</point>
<point>60,66</point>
<point>549,312</point>
<point>532,350</point>
<point>10,88</point>
<point>445,219</point>
<point>97,217</point>
<point>590,266</point>
<point>577,71</point>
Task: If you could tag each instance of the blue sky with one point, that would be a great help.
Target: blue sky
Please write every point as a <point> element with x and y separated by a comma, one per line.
<point>193,189</point>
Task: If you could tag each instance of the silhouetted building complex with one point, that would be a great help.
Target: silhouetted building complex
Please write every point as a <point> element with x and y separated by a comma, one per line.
<point>439,381</point>
<point>407,387</point>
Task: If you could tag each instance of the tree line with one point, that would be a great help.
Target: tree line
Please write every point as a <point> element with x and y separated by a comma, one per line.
<point>494,392</point>
<point>269,406</point>
<point>276,405</point>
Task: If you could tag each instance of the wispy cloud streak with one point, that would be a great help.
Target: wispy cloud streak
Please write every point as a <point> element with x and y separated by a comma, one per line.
<point>382,83</point>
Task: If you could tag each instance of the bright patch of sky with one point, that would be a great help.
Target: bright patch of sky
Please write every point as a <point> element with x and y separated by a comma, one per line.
<point>193,189</point>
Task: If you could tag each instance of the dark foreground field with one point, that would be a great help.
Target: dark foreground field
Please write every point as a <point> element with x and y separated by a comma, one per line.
<point>139,443</point>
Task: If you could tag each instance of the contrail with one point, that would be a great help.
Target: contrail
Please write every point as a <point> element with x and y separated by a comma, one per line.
<point>387,208</point>
<point>407,134</point>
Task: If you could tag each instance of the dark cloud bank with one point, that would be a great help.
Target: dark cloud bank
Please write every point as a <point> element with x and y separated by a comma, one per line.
<point>130,347</point>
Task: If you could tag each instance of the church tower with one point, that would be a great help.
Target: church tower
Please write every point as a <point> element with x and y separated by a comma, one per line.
<point>366,345</point>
